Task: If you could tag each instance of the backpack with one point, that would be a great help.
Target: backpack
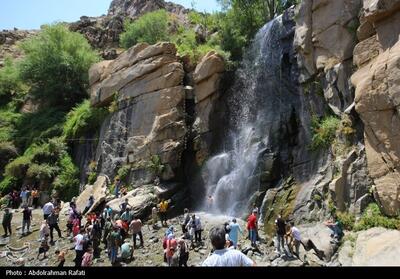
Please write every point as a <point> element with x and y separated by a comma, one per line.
<point>164,243</point>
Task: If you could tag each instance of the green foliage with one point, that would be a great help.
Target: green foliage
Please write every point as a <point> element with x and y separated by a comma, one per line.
<point>67,181</point>
<point>38,126</point>
<point>11,84</point>
<point>372,217</point>
<point>150,28</point>
<point>324,131</point>
<point>155,165</point>
<point>348,220</point>
<point>7,184</point>
<point>9,118</point>
<point>83,119</point>
<point>92,177</point>
<point>114,104</point>
<point>123,172</point>
<point>56,65</point>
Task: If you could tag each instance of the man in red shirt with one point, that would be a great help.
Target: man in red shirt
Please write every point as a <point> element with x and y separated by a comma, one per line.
<point>252,227</point>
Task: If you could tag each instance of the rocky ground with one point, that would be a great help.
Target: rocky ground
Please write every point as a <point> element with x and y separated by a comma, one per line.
<point>376,246</point>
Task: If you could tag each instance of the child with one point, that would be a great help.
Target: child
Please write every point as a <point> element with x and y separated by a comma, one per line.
<point>44,247</point>
<point>60,258</point>
<point>87,258</point>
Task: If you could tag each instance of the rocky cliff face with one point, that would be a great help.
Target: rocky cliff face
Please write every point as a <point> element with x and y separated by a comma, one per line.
<point>377,82</point>
<point>8,43</point>
<point>154,112</point>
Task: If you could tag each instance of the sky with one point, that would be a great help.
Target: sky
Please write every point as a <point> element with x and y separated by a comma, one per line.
<point>31,14</point>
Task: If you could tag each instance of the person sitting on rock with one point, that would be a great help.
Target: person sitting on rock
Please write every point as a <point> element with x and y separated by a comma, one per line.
<point>127,251</point>
<point>222,256</point>
<point>336,227</point>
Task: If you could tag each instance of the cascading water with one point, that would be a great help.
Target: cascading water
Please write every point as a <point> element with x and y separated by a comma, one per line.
<point>228,176</point>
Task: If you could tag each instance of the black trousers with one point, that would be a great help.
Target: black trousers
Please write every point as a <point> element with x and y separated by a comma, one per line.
<point>197,236</point>
<point>78,258</point>
<point>7,227</point>
<point>52,227</point>
<point>134,238</point>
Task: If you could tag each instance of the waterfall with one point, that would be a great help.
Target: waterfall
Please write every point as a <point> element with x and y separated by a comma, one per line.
<point>254,97</point>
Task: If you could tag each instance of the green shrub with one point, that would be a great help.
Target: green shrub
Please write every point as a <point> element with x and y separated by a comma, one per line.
<point>372,217</point>
<point>324,131</point>
<point>155,165</point>
<point>348,220</point>
<point>7,184</point>
<point>56,65</point>
<point>11,84</point>
<point>39,126</point>
<point>9,119</point>
<point>67,181</point>
<point>83,119</point>
<point>92,177</point>
<point>150,28</point>
<point>123,172</point>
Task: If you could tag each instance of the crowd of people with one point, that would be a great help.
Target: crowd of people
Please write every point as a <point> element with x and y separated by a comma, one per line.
<point>118,232</point>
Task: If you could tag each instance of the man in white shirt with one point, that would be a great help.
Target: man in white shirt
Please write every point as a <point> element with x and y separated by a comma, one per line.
<point>223,256</point>
<point>78,239</point>
<point>47,209</point>
<point>296,237</point>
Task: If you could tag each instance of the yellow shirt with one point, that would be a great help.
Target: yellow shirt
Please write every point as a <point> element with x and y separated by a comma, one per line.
<point>163,206</point>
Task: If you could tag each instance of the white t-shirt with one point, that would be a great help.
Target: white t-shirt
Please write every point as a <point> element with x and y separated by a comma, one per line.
<point>296,233</point>
<point>48,208</point>
<point>78,242</point>
<point>227,257</point>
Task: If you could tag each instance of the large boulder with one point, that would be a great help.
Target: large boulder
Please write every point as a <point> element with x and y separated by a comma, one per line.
<point>141,200</point>
<point>377,100</point>
<point>377,247</point>
<point>99,191</point>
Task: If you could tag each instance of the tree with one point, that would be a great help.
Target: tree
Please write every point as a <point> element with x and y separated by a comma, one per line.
<point>149,28</point>
<point>56,65</point>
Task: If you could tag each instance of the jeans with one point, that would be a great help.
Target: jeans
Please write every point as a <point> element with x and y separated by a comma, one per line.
<point>134,238</point>
<point>280,242</point>
<point>26,223</point>
<point>113,254</point>
<point>253,236</point>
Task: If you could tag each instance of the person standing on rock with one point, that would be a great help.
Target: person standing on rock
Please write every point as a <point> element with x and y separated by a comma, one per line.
<point>79,242</point>
<point>186,220</point>
<point>52,220</point>
<point>136,230</point>
<point>26,220</point>
<point>127,216</point>
<point>60,257</point>
<point>296,236</point>
<point>29,196</point>
<point>95,237</point>
<point>124,206</point>
<point>107,213</point>
<point>7,217</point>
<point>35,198</point>
<point>171,248</point>
<point>24,196</point>
<point>252,227</point>
<point>118,185</point>
<point>47,209</point>
<point>44,246</point>
<point>183,250</point>
<point>280,226</point>
<point>154,217</point>
<point>163,211</point>
<point>223,256</point>
<point>115,240</point>
<point>107,230</point>
<point>235,229</point>
<point>89,205</point>
<point>44,229</point>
